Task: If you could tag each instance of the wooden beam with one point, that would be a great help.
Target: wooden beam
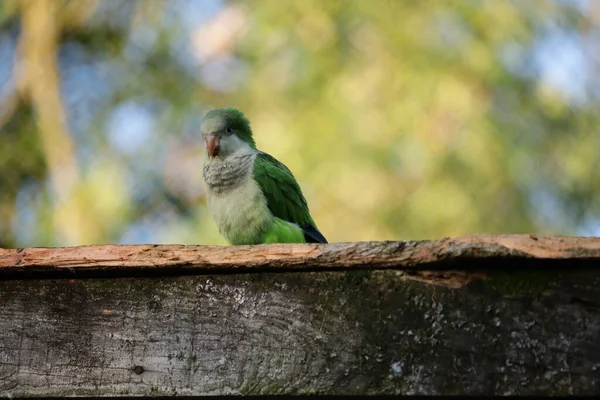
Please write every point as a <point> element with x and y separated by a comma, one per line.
<point>471,315</point>
<point>130,260</point>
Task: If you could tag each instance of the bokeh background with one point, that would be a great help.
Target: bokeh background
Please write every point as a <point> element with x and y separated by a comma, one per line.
<point>400,119</point>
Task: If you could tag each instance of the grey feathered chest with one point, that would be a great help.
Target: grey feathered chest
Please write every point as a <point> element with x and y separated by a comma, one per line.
<point>222,176</point>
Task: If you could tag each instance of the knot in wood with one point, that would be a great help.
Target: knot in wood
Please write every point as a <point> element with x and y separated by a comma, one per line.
<point>138,369</point>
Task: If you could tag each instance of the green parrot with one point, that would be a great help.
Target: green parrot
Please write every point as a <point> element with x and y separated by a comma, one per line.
<point>252,197</point>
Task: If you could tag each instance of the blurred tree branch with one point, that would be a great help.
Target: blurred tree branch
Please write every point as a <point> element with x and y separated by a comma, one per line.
<point>38,80</point>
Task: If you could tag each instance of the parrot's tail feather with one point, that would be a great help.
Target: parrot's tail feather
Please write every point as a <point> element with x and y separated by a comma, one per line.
<point>312,235</point>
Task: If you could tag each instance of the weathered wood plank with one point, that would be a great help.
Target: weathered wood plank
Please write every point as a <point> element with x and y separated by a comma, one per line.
<point>330,332</point>
<point>175,259</point>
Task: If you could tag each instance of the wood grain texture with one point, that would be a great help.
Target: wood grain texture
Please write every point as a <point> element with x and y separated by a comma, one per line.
<point>354,332</point>
<point>176,259</point>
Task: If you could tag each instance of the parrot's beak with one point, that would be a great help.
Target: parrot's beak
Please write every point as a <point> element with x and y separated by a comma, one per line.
<point>212,145</point>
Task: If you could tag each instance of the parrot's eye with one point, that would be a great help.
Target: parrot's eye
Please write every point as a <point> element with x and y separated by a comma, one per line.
<point>228,130</point>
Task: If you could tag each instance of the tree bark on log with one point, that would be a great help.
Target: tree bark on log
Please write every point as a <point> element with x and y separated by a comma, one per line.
<point>472,315</point>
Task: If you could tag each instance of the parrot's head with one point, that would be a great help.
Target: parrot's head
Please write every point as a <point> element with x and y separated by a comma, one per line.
<point>225,131</point>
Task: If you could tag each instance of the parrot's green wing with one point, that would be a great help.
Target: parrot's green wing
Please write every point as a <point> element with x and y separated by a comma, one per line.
<point>284,197</point>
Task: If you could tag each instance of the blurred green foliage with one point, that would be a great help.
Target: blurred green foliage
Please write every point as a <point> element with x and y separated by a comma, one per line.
<point>400,119</point>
